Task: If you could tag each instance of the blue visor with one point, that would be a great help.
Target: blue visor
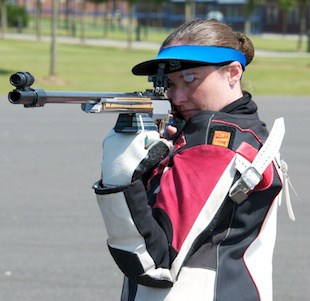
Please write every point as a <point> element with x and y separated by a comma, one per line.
<point>182,57</point>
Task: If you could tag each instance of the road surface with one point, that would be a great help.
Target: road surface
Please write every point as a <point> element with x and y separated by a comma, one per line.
<point>52,237</point>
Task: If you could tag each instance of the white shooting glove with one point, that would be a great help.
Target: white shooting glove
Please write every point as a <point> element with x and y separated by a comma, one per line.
<point>128,155</point>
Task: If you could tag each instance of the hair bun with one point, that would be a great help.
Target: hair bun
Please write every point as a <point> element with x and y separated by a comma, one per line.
<point>246,46</point>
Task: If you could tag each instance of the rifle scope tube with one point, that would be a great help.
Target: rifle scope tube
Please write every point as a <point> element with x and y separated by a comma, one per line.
<point>22,80</point>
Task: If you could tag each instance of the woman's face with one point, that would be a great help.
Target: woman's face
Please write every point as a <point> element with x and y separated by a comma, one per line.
<point>200,89</point>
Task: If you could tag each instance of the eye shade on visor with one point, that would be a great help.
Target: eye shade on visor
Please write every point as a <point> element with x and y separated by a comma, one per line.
<point>182,56</point>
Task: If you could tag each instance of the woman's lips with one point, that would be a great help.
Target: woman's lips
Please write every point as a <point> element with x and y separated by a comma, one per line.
<point>187,113</point>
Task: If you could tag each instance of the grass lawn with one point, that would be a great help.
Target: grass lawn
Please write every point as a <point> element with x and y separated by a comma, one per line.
<point>92,68</point>
<point>278,76</point>
<point>84,68</point>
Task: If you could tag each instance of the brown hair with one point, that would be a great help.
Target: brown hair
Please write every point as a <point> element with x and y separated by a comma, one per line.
<point>211,33</point>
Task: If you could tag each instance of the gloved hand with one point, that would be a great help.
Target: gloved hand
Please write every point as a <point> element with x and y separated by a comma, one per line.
<point>126,156</point>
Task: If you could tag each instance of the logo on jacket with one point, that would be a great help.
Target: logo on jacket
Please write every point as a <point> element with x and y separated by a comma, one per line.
<point>221,138</point>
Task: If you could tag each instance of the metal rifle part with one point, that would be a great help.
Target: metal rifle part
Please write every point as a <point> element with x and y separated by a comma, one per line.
<point>152,103</point>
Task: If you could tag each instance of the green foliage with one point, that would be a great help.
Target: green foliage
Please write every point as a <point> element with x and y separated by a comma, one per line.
<point>97,1</point>
<point>251,5</point>
<point>286,5</point>
<point>17,16</point>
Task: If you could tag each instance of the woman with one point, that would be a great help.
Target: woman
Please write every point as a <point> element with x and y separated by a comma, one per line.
<point>201,224</point>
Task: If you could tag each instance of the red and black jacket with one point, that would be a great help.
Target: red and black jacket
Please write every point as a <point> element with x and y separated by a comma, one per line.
<point>180,228</point>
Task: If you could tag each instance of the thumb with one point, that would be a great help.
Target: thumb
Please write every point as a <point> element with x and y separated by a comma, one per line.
<point>172,130</point>
<point>150,138</point>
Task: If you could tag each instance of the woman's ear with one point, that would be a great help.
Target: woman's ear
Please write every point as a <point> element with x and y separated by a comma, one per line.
<point>234,71</point>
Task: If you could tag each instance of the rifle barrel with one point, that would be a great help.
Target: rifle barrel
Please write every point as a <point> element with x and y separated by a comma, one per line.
<point>91,102</point>
<point>39,97</point>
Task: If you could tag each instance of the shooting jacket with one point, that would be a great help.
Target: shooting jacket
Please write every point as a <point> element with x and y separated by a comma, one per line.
<point>179,236</point>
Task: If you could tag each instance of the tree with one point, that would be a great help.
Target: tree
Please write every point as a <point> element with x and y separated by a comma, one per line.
<point>131,4</point>
<point>285,6</point>
<point>105,17</point>
<point>4,21</point>
<point>302,4</point>
<point>54,25</point>
<point>70,17</point>
<point>190,9</point>
<point>83,21</point>
<point>250,7</point>
<point>38,17</point>
<point>149,6</point>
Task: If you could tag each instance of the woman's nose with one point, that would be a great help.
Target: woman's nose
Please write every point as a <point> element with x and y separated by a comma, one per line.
<point>177,96</point>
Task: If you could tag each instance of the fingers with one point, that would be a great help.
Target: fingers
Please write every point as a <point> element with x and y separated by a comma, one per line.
<point>171,130</point>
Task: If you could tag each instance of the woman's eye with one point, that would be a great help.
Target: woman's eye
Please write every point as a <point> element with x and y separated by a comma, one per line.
<point>188,76</point>
<point>170,84</point>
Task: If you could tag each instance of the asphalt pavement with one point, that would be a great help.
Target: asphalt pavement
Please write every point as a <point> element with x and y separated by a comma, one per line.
<point>52,237</point>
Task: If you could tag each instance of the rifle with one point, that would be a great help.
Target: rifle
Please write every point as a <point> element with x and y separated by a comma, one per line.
<point>137,109</point>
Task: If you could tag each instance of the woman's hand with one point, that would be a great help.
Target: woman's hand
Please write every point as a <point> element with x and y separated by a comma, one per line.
<point>171,130</point>
<point>126,156</point>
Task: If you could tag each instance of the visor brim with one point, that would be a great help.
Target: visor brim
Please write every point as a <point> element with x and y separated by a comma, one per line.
<point>182,57</point>
<point>151,67</point>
